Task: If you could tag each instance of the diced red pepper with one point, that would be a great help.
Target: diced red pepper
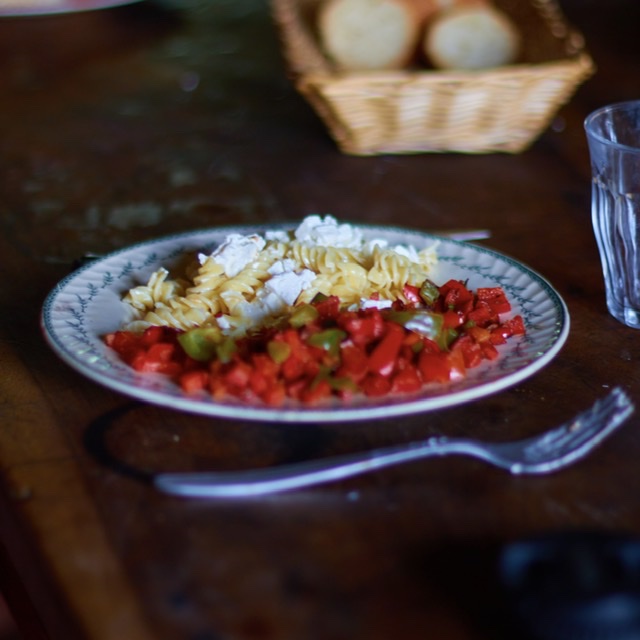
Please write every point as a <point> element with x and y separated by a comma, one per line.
<point>292,368</point>
<point>430,346</point>
<point>453,319</point>
<point>157,359</point>
<point>375,385</point>
<point>217,381</point>
<point>161,351</point>
<point>470,350</point>
<point>406,381</point>
<point>489,351</point>
<point>316,392</point>
<point>194,381</point>
<point>355,363</point>
<point>434,367</point>
<point>238,375</point>
<point>275,395</point>
<point>383,357</point>
<point>455,293</point>
<point>329,308</point>
<point>151,335</point>
<point>481,315</point>
<point>479,334</point>
<point>495,297</point>
<point>312,367</point>
<point>125,343</point>
<point>328,352</point>
<point>412,338</point>
<point>264,371</point>
<point>412,294</point>
<point>363,328</point>
<point>514,326</point>
<point>458,368</point>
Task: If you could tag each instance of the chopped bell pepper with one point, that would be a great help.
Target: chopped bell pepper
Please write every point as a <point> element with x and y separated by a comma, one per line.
<point>429,335</point>
<point>278,350</point>
<point>303,315</point>
<point>201,344</point>
<point>383,357</point>
<point>329,340</point>
<point>429,293</point>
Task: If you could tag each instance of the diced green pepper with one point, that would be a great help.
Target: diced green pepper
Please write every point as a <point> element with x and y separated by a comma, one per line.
<point>329,340</point>
<point>429,292</point>
<point>402,317</point>
<point>201,343</point>
<point>303,315</point>
<point>226,349</point>
<point>342,383</point>
<point>319,297</point>
<point>427,324</point>
<point>423,322</point>
<point>417,347</point>
<point>446,338</point>
<point>278,351</point>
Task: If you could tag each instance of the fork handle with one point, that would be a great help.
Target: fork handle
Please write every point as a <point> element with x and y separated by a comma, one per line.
<point>256,482</point>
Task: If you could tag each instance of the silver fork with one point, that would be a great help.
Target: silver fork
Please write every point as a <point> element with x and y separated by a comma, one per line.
<point>543,453</point>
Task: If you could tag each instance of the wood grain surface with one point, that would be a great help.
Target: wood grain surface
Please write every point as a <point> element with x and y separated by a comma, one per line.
<point>138,121</point>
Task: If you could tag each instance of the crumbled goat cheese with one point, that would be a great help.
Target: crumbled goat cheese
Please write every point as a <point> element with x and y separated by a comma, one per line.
<point>287,265</point>
<point>286,283</point>
<point>236,252</point>
<point>368,303</point>
<point>280,291</point>
<point>326,232</point>
<point>278,236</point>
<point>315,230</point>
<point>287,279</point>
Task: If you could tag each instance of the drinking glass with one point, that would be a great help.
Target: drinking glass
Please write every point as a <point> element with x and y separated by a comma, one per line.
<point>613,135</point>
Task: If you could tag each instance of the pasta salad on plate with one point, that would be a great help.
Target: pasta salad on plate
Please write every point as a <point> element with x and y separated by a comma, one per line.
<point>321,321</point>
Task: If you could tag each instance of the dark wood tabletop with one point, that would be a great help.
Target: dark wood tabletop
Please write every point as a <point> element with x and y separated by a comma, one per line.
<point>135,122</point>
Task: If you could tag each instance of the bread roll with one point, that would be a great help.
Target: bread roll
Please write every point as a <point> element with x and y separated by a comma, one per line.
<point>362,35</point>
<point>476,36</point>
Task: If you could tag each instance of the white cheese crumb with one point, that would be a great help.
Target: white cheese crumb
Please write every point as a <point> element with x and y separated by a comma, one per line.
<point>368,303</point>
<point>277,236</point>
<point>236,252</point>
<point>288,286</point>
<point>326,232</point>
<point>279,292</point>
<point>282,266</point>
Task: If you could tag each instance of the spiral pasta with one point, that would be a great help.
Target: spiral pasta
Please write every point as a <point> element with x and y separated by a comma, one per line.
<point>248,279</point>
<point>158,290</point>
<point>322,259</point>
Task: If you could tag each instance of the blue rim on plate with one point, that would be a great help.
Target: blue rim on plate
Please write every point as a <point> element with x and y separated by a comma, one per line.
<point>87,304</point>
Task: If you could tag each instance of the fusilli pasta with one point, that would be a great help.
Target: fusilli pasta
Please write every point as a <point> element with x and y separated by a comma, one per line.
<point>214,293</point>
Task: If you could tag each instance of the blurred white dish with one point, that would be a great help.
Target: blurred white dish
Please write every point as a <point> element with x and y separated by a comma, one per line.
<point>49,7</point>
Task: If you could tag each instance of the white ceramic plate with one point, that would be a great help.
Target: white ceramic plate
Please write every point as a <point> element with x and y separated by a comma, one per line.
<point>87,304</point>
<point>51,7</point>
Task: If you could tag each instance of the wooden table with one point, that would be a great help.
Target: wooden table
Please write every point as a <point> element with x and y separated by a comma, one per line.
<point>135,122</point>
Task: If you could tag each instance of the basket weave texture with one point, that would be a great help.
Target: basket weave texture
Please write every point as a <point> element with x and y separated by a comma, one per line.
<point>421,110</point>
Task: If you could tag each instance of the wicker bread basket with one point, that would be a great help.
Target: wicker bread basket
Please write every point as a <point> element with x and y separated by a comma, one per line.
<point>421,110</point>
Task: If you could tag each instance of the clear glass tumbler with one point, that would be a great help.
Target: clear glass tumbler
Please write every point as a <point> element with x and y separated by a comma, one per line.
<point>613,134</point>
